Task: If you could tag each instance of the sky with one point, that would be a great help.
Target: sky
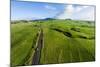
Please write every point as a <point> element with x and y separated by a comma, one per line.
<point>38,10</point>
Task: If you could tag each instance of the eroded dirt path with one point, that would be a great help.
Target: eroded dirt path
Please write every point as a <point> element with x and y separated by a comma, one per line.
<point>37,54</point>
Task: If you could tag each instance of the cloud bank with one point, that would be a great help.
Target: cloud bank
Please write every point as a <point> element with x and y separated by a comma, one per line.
<point>78,12</point>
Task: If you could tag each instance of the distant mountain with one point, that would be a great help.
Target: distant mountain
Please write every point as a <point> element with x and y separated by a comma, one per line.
<point>49,19</point>
<point>44,19</point>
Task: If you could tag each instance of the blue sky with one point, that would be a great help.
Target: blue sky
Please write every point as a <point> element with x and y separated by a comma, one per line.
<point>37,10</point>
<point>30,10</point>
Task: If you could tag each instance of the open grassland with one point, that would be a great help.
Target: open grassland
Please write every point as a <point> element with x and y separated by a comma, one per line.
<point>64,41</point>
<point>23,39</point>
<point>68,41</point>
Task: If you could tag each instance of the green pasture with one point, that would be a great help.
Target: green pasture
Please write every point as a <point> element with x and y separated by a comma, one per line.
<point>64,41</point>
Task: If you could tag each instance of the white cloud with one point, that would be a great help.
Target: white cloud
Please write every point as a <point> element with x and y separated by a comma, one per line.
<point>67,12</point>
<point>77,12</point>
<point>69,8</point>
<point>86,14</point>
<point>79,8</point>
<point>49,7</point>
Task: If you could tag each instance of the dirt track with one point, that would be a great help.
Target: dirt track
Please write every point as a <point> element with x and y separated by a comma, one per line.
<point>37,54</point>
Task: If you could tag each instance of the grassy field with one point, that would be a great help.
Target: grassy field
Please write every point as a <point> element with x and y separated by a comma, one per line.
<point>23,39</point>
<point>64,41</point>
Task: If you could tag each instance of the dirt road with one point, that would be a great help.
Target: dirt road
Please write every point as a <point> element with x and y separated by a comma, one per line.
<point>37,54</point>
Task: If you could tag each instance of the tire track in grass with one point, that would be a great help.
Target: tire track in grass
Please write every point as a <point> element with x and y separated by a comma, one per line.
<point>74,54</point>
<point>39,44</point>
<point>76,49</point>
<point>84,55</point>
<point>79,52</point>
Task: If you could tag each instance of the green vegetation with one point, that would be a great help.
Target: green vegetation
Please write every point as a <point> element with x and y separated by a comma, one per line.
<point>23,39</point>
<point>68,41</point>
<point>64,41</point>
